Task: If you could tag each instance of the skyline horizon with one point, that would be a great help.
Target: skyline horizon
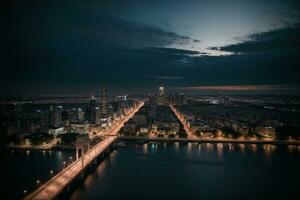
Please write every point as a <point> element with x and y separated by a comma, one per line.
<point>274,89</point>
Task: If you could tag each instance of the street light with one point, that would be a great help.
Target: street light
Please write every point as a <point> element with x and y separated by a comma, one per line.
<point>64,164</point>
<point>38,182</point>
<point>25,192</point>
<point>51,172</point>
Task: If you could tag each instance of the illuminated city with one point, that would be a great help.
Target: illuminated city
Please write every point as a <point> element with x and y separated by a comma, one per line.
<point>150,99</point>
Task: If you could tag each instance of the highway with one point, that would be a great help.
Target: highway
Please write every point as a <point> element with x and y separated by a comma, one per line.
<point>56,184</point>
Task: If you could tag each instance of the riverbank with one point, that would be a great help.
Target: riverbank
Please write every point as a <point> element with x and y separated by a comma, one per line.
<point>210,140</point>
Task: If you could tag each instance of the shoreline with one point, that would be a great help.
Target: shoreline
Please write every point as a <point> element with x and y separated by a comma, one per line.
<point>170,140</point>
<point>184,140</point>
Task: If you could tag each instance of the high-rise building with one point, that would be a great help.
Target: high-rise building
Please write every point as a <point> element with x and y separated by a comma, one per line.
<point>161,98</point>
<point>80,114</point>
<point>93,110</point>
<point>104,101</point>
<point>105,119</point>
<point>93,102</point>
<point>58,116</point>
<point>161,91</point>
<point>97,116</point>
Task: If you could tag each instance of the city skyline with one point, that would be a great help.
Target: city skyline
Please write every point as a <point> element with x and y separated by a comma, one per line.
<point>76,47</point>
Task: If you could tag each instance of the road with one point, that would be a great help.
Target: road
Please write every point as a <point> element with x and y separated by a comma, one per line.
<point>190,134</point>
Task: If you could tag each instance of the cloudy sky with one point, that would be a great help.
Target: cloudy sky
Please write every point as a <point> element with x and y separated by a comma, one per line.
<point>75,47</point>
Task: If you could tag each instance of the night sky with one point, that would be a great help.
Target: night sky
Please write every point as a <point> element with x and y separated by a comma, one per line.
<point>75,47</point>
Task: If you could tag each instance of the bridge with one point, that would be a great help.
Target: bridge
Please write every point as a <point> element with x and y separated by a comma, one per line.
<point>60,181</point>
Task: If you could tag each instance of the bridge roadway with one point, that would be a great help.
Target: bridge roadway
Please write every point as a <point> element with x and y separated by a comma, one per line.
<point>56,184</point>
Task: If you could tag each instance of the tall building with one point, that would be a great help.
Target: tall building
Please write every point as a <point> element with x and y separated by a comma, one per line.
<point>58,116</point>
<point>104,101</point>
<point>161,98</point>
<point>105,119</point>
<point>93,110</point>
<point>161,91</point>
<point>80,114</point>
<point>97,116</point>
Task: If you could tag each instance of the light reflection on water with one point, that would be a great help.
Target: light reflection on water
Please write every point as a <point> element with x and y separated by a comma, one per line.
<point>219,149</point>
<point>176,146</point>
<point>189,148</point>
<point>194,160</point>
<point>291,148</point>
<point>199,148</point>
<point>253,147</point>
<point>209,147</point>
<point>203,152</point>
<point>242,148</point>
<point>145,148</point>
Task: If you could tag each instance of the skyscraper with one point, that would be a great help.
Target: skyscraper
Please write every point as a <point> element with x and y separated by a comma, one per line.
<point>105,117</point>
<point>161,91</point>
<point>104,101</point>
<point>57,116</point>
<point>93,109</point>
<point>161,98</point>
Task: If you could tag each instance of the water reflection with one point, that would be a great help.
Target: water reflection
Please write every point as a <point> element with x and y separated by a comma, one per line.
<point>145,148</point>
<point>199,148</point>
<point>219,149</point>
<point>209,147</point>
<point>291,148</point>
<point>176,146</point>
<point>242,148</point>
<point>253,148</point>
<point>88,181</point>
<point>189,148</point>
<point>268,150</point>
<point>101,168</point>
<point>231,147</point>
<point>59,155</point>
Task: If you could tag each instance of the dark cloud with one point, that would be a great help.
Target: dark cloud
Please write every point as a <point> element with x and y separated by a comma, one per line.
<point>173,51</point>
<point>276,40</point>
<point>52,47</point>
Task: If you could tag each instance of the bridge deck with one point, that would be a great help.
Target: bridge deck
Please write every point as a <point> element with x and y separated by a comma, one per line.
<point>56,184</point>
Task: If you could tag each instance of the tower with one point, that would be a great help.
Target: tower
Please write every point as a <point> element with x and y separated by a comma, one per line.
<point>93,109</point>
<point>103,100</point>
<point>161,91</point>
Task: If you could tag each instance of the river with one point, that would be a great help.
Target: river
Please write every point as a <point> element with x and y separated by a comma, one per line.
<point>160,170</point>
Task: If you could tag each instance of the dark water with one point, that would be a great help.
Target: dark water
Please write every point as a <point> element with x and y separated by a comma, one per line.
<point>193,171</point>
<point>174,171</point>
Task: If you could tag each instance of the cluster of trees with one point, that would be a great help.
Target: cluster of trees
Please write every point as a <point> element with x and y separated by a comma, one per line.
<point>40,138</point>
<point>68,138</point>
